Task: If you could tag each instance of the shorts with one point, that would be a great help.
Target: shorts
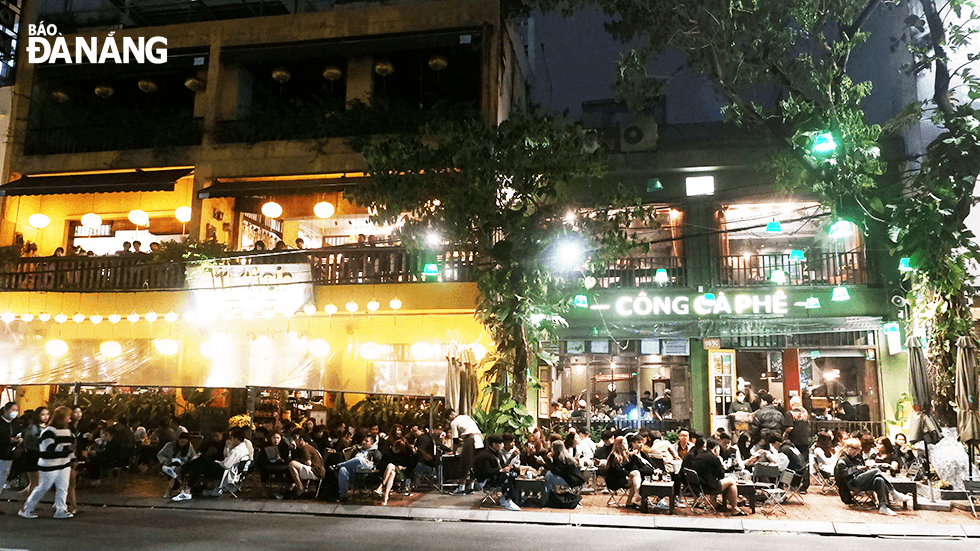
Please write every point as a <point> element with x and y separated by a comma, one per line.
<point>30,461</point>
<point>306,473</point>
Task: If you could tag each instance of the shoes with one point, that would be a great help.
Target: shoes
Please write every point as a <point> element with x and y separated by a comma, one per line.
<point>169,471</point>
<point>378,492</point>
<point>63,514</point>
<point>740,513</point>
<point>509,505</point>
<point>217,492</point>
<point>900,497</point>
<point>663,504</point>
<point>182,496</point>
<point>632,505</point>
<point>678,504</point>
<point>886,511</point>
<point>24,514</point>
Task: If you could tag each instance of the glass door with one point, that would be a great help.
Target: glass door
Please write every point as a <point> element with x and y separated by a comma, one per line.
<point>721,365</point>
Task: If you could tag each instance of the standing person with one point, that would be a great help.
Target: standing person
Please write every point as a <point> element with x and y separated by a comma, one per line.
<point>799,434</point>
<point>767,419</point>
<point>8,441</point>
<point>662,405</point>
<point>57,454</point>
<point>31,433</point>
<point>738,414</point>
<point>464,430</point>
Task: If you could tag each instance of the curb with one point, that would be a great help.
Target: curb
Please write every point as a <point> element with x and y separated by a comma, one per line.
<point>646,522</point>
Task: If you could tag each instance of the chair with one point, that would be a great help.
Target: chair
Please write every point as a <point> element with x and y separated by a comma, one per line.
<point>491,494</point>
<point>972,487</point>
<point>826,482</point>
<point>616,497</point>
<point>791,482</point>
<point>694,486</point>
<point>234,478</point>
<point>768,476</point>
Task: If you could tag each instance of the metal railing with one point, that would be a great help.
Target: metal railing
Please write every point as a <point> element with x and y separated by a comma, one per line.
<point>849,268</point>
<point>343,265</point>
<point>876,428</point>
<point>642,271</point>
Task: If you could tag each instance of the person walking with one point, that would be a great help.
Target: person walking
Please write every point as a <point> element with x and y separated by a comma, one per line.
<point>57,446</point>
<point>8,440</point>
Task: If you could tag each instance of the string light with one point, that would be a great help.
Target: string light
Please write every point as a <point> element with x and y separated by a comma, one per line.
<point>373,306</point>
<point>44,316</point>
<point>330,309</point>
<point>78,317</point>
<point>395,304</point>
<point>351,307</point>
<point>27,318</point>
<point>38,221</point>
<point>133,318</point>
<point>95,319</point>
<point>150,316</point>
<point>113,318</point>
<point>171,316</point>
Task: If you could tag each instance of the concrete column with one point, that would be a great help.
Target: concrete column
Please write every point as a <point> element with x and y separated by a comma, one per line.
<point>701,406</point>
<point>791,373</point>
<point>360,76</point>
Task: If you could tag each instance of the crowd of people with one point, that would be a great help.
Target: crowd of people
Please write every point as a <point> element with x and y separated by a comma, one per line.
<point>63,448</point>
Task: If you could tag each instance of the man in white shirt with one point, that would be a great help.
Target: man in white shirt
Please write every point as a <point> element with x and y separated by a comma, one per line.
<point>464,431</point>
<point>584,449</point>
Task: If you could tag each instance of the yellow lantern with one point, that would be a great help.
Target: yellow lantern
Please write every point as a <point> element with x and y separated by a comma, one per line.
<point>104,91</point>
<point>281,75</point>
<point>147,85</point>
<point>272,209</point>
<point>384,68</point>
<point>323,209</point>
<point>332,73</point>
<point>38,221</point>
<point>438,62</point>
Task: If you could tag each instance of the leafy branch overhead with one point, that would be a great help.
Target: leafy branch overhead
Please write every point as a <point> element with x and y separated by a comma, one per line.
<point>504,192</point>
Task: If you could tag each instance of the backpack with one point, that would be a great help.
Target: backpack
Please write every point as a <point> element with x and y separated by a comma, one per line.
<point>562,497</point>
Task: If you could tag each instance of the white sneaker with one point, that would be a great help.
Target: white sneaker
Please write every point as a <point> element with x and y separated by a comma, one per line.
<point>509,505</point>
<point>182,496</point>
<point>900,497</point>
<point>24,514</point>
<point>886,511</point>
<point>169,471</point>
<point>63,514</point>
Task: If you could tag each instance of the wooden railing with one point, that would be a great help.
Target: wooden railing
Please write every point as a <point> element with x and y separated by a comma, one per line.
<point>816,269</point>
<point>331,266</point>
<point>642,272</point>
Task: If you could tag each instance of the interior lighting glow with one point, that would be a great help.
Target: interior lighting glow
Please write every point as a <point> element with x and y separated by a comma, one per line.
<point>248,314</point>
<point>183,214</point>
<point>110,349</point>
<point>78,317</point>
<point>113,318</point>
<point>395,304</point>
<point>27,318</point>
<point>479,351</point>
<point>38,221</point>
<point>8,317</point>
<point>133,318</point>
<point>95,318</point>
<point>351,307</point>
<point>421,350</point>
<point>661,276</point>
<point>699,185</point>
<point>56,348</point>
<point>373,305</point>
<point>272,209</point>
<point>369,350</point>
<point>778,277</point>
<point>189,316</point>
<point>166,347</point>
<point>268,313</point>
<point>91,220</point>
<point>309,309</point>
<point>44,316</point>
<point>139,217</point>
<point>171,316</point>
<point>151,316</point>
<point>319,348</point>
<point>330,309</point>
<point>324,209</point>
<point>840,294</point>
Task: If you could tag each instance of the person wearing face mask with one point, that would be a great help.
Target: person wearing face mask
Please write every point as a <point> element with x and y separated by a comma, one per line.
<point>8,441</point>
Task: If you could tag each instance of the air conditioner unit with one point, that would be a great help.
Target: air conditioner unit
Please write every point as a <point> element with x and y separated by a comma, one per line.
<point>638,134</point>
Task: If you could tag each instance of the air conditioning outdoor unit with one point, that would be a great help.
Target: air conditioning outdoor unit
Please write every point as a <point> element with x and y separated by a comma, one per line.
<point>638,134</point>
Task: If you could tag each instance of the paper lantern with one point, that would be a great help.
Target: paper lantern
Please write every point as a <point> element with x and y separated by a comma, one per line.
<point>384,68</point>
<point>395,304</point>
<point>166,347</point>
<point>272,209</point>
<point>114,318</point>
<point>38,221</point>
<point>56,348</point>
<point>183,214</point>
<point>60,317</point>
<point>78,317</point>
<point>351,307</point>
<point>323,209</point>
<point>110,349</point>
<point>139,217</point>
<point>150,316</point>
<point>44,316</point>
<point>95,319</point>
<point>332,73</point>
<point>330,309</point>
<point>91,220</point>
<point>373,306</point>
<point>281,75</point>
<point>147,85</point>
<point>438,62</point>
<point>104,91</point>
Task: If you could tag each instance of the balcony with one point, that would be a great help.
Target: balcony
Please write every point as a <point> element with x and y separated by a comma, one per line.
<point>642,271</point>
<point>332,266</point>
<point>136,134</point>
<point>850,268</point>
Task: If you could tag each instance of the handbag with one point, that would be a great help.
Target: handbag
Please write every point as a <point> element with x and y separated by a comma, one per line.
<point>563,497</point>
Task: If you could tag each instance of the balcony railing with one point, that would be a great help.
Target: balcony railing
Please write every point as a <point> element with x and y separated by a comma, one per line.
<point>816,269</point>
<point>332,266</point>
<point>147,133</point>
<point>642,271</point>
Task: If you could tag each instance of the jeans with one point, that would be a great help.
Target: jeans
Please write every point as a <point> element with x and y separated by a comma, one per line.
<point>59,479</point>
<point>346,469</point>
<point>5,465</point>
<point>552,480</point>
<point>873,480</point>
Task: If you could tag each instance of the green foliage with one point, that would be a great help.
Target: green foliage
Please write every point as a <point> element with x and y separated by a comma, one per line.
<point>507,416</point>
<point>503,192</point>
<point>189,250</point>
<point>9,255</point>
<point>148,407</point>
<point>383,410</point>
<point>903,408</point>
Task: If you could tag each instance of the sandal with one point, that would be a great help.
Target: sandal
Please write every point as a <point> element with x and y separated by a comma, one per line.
<point>740,513</point>
<point>632,505</point>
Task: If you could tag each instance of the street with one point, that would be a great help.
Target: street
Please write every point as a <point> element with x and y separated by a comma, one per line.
<point>161,529</point>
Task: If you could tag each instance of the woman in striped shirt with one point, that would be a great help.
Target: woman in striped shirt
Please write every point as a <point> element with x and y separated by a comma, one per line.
<point>57,452</point>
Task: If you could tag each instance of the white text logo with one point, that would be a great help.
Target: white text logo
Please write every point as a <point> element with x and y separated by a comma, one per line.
<point>44,45</point>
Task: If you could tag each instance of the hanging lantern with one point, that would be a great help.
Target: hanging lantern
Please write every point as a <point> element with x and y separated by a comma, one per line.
<point>774,227</point>
<point>183,214</point>
<point>43,317</point>
<point>195,84</point>
<point>324,209</point>
<point>59,96</point>
<point>8,317</point>
<point>56,348</point>
<point>133,318</point>
<point>812,303</point>
<point>147,85</point>
<point>27,318</point>
<point>778,277</point>
<point>330,309</point>
<point>60,317</point>
<point>151,316</point>
<point>332,73</point>
<point>796,255</point>
<point>438,62</point>
<point>95,319</point>
<point>139,217</point>
<point>373,305</point>
<point>351,307</point>
<point>170,316</point>
<point>661,276</point>
<point>272,209</point>
<point>91,220</point>
<point>38,221</point>
<point>110,349</point>
<point>281,75</point>
<point>840,294</point>
<point>309,309</point>
<point>104,91</point>
<point>166,347</point>
<point>384,68</point>
<point>113,318</point>
<point>78,317</point>
<point>369,350</point>
<point>395,304</point>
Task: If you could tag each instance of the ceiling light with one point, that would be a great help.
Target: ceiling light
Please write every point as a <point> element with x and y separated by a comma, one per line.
<point>139,217</point>
<point>272,209</point>
<point>166,347</point>
<point>324,209</point>
<point>91,220</point>
<point>38,221</point>
<point>319,348</point>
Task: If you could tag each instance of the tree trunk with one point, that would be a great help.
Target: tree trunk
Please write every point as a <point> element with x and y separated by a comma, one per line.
<point>519,383</point>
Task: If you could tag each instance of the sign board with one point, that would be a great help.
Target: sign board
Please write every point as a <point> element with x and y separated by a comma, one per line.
<point>255,288</point>
<point>610,377</point>
<point>711,343</point>
<point>676,347</point>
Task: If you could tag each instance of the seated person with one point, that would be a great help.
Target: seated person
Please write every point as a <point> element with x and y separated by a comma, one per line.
<point>584,450</point>
<point>619,474</point>
<point>767,453</point>
<point>602,451</point>
<point>658,448</point>
<point>823,455</point>
<point>274,458</point>
<point>711,474</point>
<point>172,457</point>
<point>796,461</point>
<point>397,460</point>
<point>306,463</point>
<point>854,474</point>
<point>511,454</point>
<point>730,457</point>
<point>490,471</point>
<point>683,444</point>
<point>205,468</point>
<point>885,457</point>
<point>428,448</point>
<point>563,470</point>
<point>905,454</point>
<point>365,459</point>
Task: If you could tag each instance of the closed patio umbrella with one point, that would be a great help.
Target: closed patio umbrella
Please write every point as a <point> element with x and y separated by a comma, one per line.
<point>967,418</point>
<point>452,378</point>
<point>923,425</point>
<point>468,385</point>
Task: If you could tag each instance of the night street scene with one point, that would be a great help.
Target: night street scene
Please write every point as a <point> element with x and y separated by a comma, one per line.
<point>472,274</point>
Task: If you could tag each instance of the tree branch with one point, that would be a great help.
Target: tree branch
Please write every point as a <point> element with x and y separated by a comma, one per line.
<point>937,35</point>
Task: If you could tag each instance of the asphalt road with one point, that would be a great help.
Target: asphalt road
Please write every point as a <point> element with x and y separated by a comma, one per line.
<point>162,529</point>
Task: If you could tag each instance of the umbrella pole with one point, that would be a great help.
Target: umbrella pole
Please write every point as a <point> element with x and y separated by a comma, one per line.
<point>932,496</point>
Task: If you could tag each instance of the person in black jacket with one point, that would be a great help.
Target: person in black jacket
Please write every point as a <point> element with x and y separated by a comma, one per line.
<point>768,419</point>
<point>8,440</point>
<point>854,474</point>
<point>711,474</point>
<point>489,470</point>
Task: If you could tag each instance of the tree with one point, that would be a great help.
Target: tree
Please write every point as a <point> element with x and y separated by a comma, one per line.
<point>507,193</point>
<point>799,50</point>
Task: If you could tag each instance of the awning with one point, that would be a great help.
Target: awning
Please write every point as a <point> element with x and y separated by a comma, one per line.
<point>266,187</point>
<point>137,180</point>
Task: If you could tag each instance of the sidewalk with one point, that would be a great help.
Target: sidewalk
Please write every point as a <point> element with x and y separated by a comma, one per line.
<point>822,514</point>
